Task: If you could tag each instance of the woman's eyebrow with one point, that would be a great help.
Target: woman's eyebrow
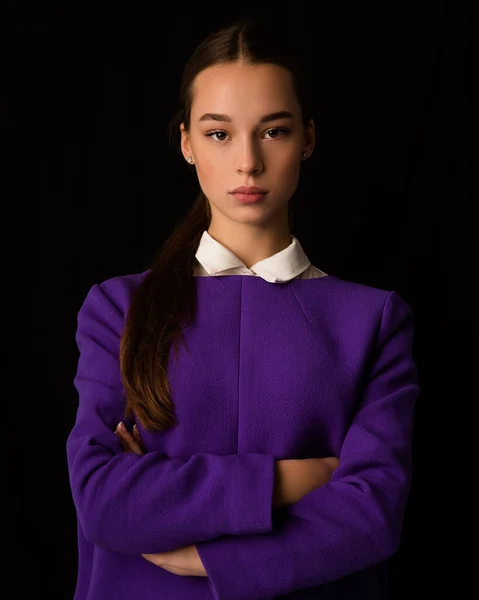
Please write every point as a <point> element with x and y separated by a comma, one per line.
<point>283,114</point>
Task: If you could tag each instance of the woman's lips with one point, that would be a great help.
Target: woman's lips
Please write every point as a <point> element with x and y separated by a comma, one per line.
<point>248,198</point>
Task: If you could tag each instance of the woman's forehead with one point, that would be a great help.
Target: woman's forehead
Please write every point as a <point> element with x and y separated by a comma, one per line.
<point>234,89</point>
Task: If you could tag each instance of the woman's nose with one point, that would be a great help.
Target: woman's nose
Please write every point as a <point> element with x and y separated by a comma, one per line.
<point>249,158</point>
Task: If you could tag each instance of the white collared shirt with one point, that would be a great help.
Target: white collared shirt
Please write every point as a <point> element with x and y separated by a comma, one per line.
<point>290,263</point>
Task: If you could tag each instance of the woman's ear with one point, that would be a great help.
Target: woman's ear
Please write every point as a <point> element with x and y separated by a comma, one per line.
<point>309,137</point>
<point>185,142</point>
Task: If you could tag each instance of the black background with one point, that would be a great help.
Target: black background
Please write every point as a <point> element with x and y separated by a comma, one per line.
<point>96,188</point>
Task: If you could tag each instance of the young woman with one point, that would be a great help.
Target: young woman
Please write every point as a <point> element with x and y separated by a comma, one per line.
<point>269,455</point>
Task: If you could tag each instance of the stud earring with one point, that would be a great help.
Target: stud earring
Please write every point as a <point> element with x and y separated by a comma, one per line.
<point>189,159</point>
<point>304,155</point>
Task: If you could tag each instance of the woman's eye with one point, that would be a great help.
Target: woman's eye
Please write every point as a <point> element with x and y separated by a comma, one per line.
<point>216,133</point>
<point>278,131</point>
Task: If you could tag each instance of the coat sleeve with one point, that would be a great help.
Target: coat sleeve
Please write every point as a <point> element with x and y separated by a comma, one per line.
<point>152,503</point>
<point>355,520</point>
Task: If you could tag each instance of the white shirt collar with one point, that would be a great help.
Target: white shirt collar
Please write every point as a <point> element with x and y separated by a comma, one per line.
<point>282,266</point>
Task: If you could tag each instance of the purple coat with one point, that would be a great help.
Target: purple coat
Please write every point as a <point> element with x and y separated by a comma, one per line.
<point>306,368</point>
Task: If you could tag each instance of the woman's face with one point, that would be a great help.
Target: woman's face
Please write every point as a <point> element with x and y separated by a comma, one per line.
<point>232,144</point>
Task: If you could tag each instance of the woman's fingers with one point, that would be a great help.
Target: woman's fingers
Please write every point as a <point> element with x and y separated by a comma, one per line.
<point>128,441</point>
<point>136,435</point>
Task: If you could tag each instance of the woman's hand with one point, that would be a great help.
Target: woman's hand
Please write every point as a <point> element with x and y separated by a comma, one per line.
<point>130,442</point>
<point>183,561</point>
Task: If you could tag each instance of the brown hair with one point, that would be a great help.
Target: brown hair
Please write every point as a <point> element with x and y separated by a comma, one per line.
<point>167,296</point>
